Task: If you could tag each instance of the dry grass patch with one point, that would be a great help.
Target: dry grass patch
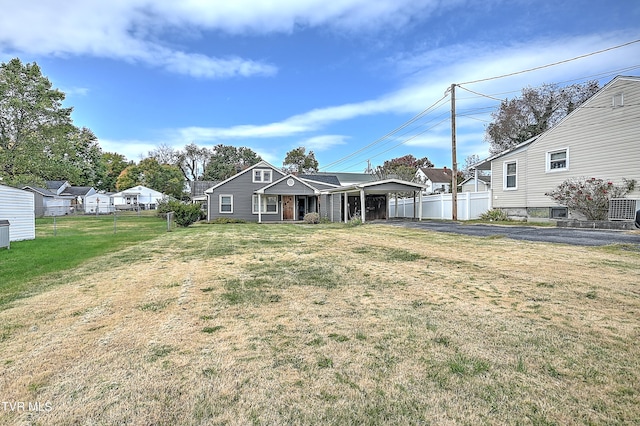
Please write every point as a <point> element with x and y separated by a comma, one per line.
<point>243,324</point>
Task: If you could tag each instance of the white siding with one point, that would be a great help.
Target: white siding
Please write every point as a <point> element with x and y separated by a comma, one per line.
<point>603,142</point>
<point>511,197</point>
<point>17,206</point>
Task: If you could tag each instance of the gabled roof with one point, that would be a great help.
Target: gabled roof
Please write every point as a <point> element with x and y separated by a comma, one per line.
<point>290,176</point>
<point>77,190</point>
<point>486,163</point>
<point>386,185</point>
<point>55,184</point>
<point>41,191</point>
<point>437,175</point>
<point>485,179</point>
<point>259,164</point>
<point>135,190</point>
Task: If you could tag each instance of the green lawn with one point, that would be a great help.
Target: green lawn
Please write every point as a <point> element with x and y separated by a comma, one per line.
<point>66,243</point>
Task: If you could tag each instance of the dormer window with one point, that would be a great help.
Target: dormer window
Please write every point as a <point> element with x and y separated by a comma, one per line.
<point>262,176</point>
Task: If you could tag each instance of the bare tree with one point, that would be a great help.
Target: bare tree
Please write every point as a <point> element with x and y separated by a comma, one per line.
<point>534,112</point>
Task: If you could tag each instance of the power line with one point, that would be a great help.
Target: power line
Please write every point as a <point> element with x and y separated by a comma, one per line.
<point>552,64</point>
<point>396,130</point>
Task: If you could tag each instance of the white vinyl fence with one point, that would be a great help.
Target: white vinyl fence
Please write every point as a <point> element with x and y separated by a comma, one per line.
<point>470,206</point>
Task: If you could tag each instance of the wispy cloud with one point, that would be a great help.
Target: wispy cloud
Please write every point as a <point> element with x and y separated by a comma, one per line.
<point>144,31</point>
<point>324,142</point>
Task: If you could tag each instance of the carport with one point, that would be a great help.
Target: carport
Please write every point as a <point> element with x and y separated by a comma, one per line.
<point>370,200</point>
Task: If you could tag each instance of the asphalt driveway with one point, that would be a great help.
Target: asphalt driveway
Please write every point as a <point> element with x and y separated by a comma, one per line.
<point>581,237</point>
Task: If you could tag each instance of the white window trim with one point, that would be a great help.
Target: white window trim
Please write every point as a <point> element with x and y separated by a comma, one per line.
<point>504,175</point>
<point>220,203</point>
<point>253,175</point>
<point>263,204</point>
<point>548,168</point>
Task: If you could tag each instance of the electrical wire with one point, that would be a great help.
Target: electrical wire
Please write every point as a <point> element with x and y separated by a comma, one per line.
<point>554,63</point>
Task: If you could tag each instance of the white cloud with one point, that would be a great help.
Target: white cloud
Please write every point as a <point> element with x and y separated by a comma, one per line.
<point>141,30</point>
<point>324,142</point>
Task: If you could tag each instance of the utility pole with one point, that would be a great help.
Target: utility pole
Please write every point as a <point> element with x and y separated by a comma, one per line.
<point>454,161</point>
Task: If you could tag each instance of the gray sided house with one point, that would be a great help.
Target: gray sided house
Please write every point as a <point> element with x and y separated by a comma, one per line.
<point>599,139</point>
<point>263,193</point>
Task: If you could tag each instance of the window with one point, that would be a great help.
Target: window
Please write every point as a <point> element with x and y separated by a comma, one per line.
<point>510,175</point>
<point>558,160</point>
<point>617,100</point>
<point>226,203</point>
<point>269,204</point>
<point>262,175</point>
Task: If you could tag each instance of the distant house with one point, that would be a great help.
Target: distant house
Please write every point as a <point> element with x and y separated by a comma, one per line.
<point>598,139</point>
<point>79,194</point>
<point>436,180</point>
<point>138,197</point>
<point>99,203</point>
<point>50,203</point>
<point>469,184</point>
<point>17,206</point>
<point>264,193</point>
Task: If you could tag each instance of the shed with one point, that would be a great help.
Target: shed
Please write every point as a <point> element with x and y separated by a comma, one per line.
<point>17,206</point>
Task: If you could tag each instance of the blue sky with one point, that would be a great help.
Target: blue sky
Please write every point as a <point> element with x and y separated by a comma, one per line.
<point>332,76</point>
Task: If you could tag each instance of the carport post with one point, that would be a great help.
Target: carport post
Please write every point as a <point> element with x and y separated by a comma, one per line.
<point>420,205</point>
<point>346,207</point>
<point>362,204</point>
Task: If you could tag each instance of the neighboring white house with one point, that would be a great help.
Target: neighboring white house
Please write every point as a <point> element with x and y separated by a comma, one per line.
<point>137,197</point>
<point>599,139</point>
<point>17,206</point>
<point>437,181</point>
<point>98,203</point>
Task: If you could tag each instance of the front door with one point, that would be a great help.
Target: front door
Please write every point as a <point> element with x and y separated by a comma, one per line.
<point>288,207</point>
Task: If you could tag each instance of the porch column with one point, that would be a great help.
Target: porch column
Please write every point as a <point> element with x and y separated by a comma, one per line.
<point>475,175</point>
<point>346,207</point>
<point>259,208</point>
<point>362,204</point>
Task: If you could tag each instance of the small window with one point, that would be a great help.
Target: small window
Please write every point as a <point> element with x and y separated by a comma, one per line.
<point>558,160</point>
<point>269,204</point>
<point>261,175</point>
<point>558,213</point>
<point>617,100</point>
<point>510,175</point>
<point>226,203</point>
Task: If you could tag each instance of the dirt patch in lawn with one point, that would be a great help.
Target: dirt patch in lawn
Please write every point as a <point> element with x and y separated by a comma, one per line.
<point>283,324</point>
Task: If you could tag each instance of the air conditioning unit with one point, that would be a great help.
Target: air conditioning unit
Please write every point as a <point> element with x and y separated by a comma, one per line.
<point>623,208</point>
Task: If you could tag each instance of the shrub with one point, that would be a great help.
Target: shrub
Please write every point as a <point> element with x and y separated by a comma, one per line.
<point>590,196</point>
<point>223,220</point>
<point>495,215</point>
<point>312,218</point>
<point>186,214</point>
<point>356,221</point>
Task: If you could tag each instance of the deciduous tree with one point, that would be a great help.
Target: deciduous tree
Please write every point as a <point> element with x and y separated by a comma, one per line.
<point>298,161</point>
<point>535,111</point>
<point>226,161</point>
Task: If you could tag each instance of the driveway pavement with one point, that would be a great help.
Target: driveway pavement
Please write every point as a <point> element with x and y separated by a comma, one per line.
<point>581,237</point>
